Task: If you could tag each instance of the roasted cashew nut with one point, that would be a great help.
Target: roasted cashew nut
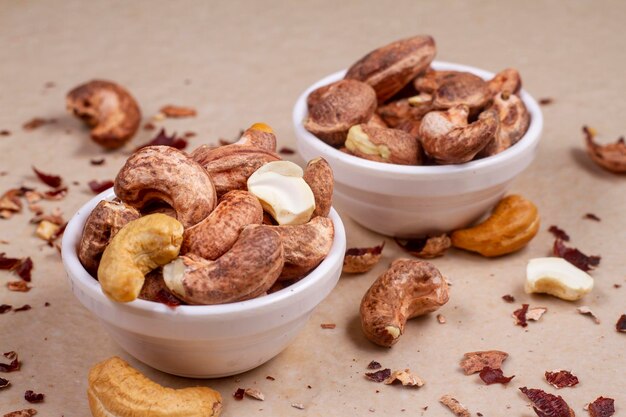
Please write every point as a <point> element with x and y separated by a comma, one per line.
<point>514,122</point>
<point>453,88</point>
<point>163,173</point>
<point>246,271</point>
<point>408,289</point>
<point>611,157</point>
<point>215,235</point>
<point>449,139</point>
<point>259,135</point>
<point>383,144</point>
<point>399,111</point>
<point>319,175</point>
<point>138,248</point>
<point>507,80</point>
<point>108,108</point>
<point>106,219</point>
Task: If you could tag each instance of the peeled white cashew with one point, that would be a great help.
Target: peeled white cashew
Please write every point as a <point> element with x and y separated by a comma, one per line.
<point>557,277</point>
<point>283,192</point>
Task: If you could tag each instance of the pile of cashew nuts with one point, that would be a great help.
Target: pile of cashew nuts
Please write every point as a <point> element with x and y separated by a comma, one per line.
<point>393,107</point>
<point>216,226</point>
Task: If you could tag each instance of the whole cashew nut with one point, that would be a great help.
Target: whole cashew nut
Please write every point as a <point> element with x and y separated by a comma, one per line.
<point>408,289</point>
<point>106,219</point>
<point>138,248</point>
<point>166,174</point>
<point>319,175</point>
<point>508,80</point>
<point>259,135</point>
<point>449,139</point>
<point>453,88</point>
<point>246,271</point>
<point>109,109</point>
<point>215,235</point>
<point>514,122</point>
<point>399,111</point>
<point>383,145</point>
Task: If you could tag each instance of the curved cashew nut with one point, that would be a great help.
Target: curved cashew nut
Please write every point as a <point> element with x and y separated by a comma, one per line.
<point>246,271</point>
<point>319,175</point>
<point>408,289</point>
<point>118,390</point>
<point>306,245</point>
<point>446,136</point>
<point>106,219</point>
<point>138,248</point>
<point>611,157</point>
<point>215,235</point>
<point>109,109</point>
<point>507,80</point>
<point>166,174</point>
<point>383,145</point>
<point>259,135</point>
<point>399,111</point>
<point>514,122</point>
<point>453,88</point>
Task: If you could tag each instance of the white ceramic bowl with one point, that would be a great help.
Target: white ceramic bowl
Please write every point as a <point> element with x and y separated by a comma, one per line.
<point>410,201</point>
<point>203,341</point>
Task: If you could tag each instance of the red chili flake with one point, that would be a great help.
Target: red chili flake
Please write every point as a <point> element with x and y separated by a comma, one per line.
<point>165,297</point>
<point>33,397</point>
<point>620,326</point>
<point>99,186</point>
<point>546,101</point>
<point>602,407</point>
<point>25,269</point>
<point>25,307</point>
<point>328,325</point>
<point>270,378</point>
<point>547,405</point>
<point>5,308</point>
<point>494,376</point>
<point>428,247</point>
<point>51,180</point>
<point>508,298</point>
<point>56,194</point>
<point>4,383</point>
<point>575,257</point>
<point>100,161</point>
<point>520,315</point>
<point>561,378</point>
<point>286,151</point>
<point>591,216</point>
<point>238,395</point>
<point>36,122</point>
<point>19,286</point>
<point>374,365</point>
<point>559,233</point>
<point>161,139</point>
<point>14,365</point>
<point>8,264</point>
<point>5,132</point>
<point>378,376</point>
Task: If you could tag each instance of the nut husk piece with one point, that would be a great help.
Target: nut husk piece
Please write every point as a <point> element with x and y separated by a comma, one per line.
<point>389,68</point>
<point>335,108</point>
<point>360,260</point>
<point>475,361</point>
<point>383,145</point>
<point>611,157</point>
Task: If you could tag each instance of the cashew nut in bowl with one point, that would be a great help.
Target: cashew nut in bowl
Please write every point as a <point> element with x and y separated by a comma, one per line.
<point>397,112</point>
<point>409,288</point>
<point>514,121</point>
<point>508,80</point>
<point>106,219</point>
<point>166,174</point>
<point>447,137</point>
<point>453,88</point>
<point>138,248</point>
<point>383,145</point>
<point>259,135</point>
<point>216,234</point>
<point>108,108</point>
<point>319,175</point>
<point>247,270</point>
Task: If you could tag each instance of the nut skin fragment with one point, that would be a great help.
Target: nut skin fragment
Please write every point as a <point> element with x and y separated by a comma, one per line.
<point>408,289</point>
<point>319,175</point>
<point>611,157</point>
<point>360,260</point>
<point>259,135</point>
<point>514,122</point>
<point>118,390</point>
<point>138,248</point>
<point>406,378</point>
<point>447,137</point>
<point>27,412</point>
<point>216,234</point>
<point>165,174</point>
<point>455,406</point>
<point>383,145</point>
<point>305,245</point>
<point>507,80</point>
<point>513,223</point>
<point>475,361</point>
<point>335,108</point>
<point>106,219</point>
<point>453,88</point>
<point>230,166</point>
<point>426,248</point>
<point>246,271</point>
<point>389,68</point>
<point>109,109</point>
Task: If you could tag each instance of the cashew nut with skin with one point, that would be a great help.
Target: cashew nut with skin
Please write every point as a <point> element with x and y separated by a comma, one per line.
<point>383,145</point>
<point>507,80</point>
<point>106,219</point>
<point>409,288</point>
<point>259,135</point>
<point>163,173</point>
<point>215,235</point>
<point>449,139</point>
<point>453,88</point>
<point>109,109</point>
<point>611,157</point>
<point>118,390</point>
<point>247,270</point>
<point>138,248</point>
<point>319,175</point>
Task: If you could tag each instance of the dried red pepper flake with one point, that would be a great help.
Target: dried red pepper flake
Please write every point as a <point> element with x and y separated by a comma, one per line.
<point>286,151</point>
<point>14,365</point>
<point>546,101</point>
<point>32,397</point>
<point>99,186</point>
<point>374,365</point>
<point>8,264</point>
<point>25,307</point>
<point>547,405</point>
<point>238,395</point>
<point>520,316</point>
<point>561,378</point>
<point>494,376</point>
<point>4,383</point>
<point>602,407</point>
<point>161,139</point>
<point>18,286</point>
<point>427,247</point>
<point>5,308</point>
<point>508,298</point>
<point>378,376</point>
<point>591,216</point>
<point>620,326</point>
<point>25,268</point>
<point>575,257</point>
<point>99,161</point>
<point>50,180</point>
<point>165,297</point>
<point>56,194</point>
<point>558,233</point>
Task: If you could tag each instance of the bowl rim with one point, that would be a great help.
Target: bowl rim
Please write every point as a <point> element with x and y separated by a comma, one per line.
<point>77,274</point>
<point>529,140</point>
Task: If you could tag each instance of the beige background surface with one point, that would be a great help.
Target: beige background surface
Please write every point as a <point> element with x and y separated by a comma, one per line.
<point>240,62</point>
